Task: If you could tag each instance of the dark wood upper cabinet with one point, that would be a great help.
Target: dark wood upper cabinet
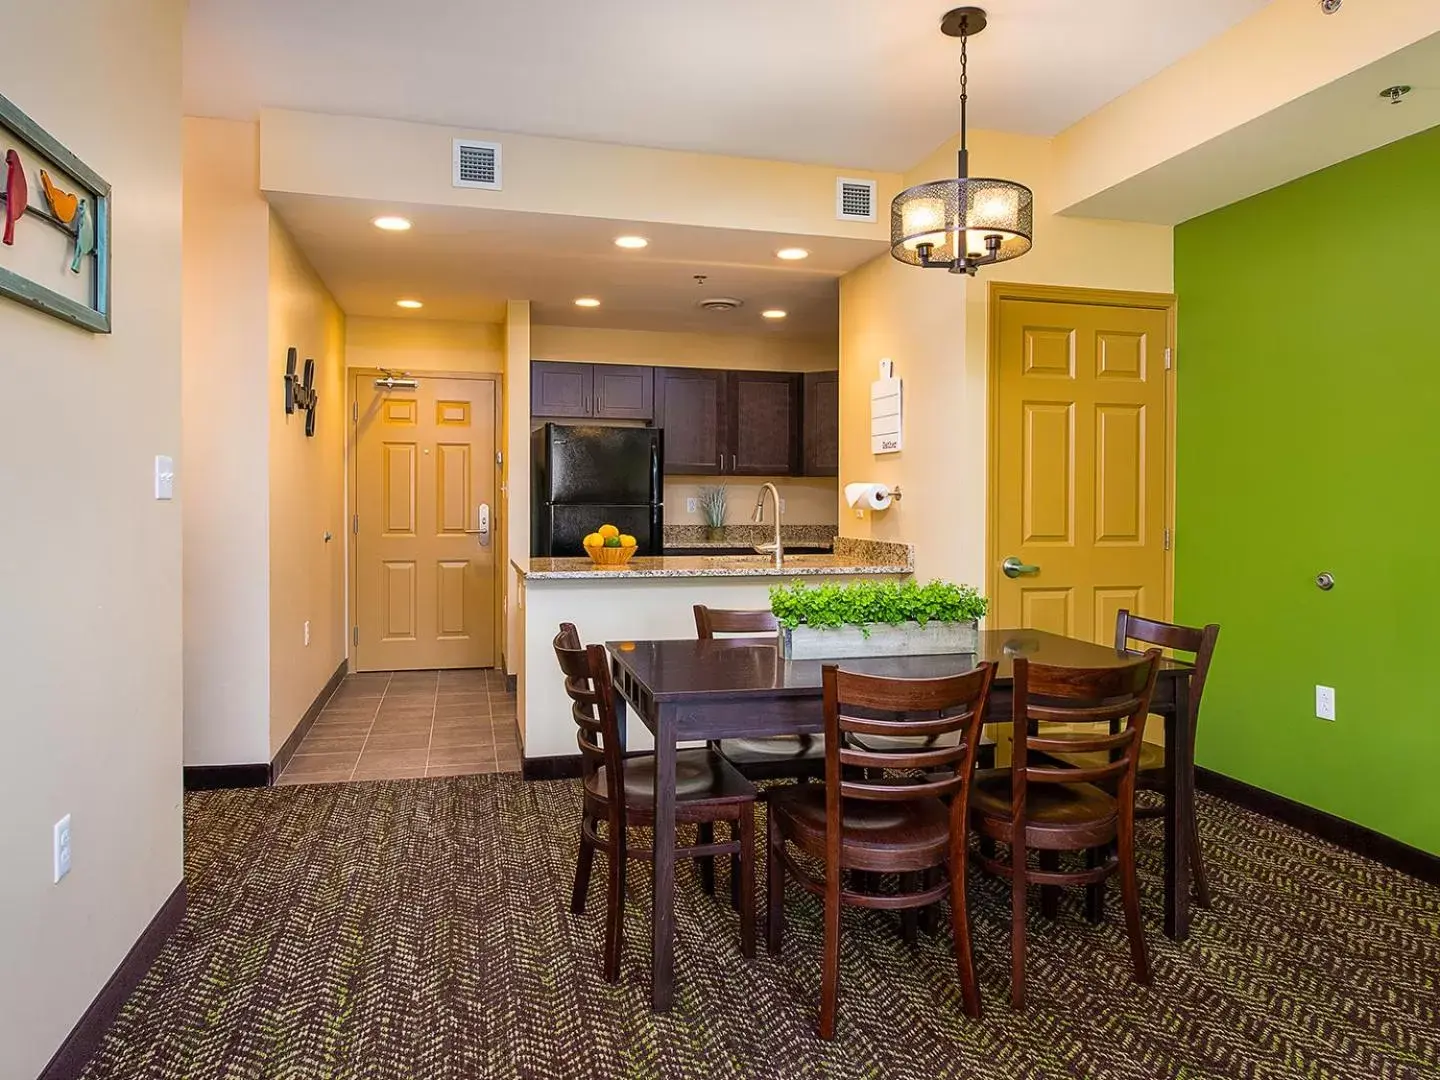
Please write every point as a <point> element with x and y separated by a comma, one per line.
<point>624,392</point>
<point>764,424</point>
<point>822,423</point>
<point>592,391</point>
<point>561,389</point>
<point>691,406</point>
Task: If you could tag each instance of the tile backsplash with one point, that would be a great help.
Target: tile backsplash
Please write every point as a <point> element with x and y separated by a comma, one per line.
<point>808,500</point>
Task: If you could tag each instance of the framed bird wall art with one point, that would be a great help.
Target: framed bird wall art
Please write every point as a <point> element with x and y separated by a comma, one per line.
<point>55,244</point>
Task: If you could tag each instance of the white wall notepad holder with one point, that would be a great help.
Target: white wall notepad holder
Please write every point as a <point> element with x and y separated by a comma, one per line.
<point>885,411</point>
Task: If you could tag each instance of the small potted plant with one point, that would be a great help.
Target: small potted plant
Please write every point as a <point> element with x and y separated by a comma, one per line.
<point>876,618</point>
<point>712,505</point>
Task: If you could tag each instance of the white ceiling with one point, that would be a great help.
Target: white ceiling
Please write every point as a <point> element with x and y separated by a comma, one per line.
<point>463,263</point>
<point>864,83</point>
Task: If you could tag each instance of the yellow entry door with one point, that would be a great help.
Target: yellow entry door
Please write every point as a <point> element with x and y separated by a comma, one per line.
<point>1080,445</point>
<point>426,534</point>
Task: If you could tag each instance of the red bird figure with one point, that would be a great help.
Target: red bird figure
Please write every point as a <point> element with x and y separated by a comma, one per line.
<point>16,194</point>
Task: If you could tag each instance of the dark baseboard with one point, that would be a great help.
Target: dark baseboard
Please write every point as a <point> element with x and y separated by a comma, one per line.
<point>560,767</point>
<point>1346,834</point>
<point>307,721</point>
<point>84,1038</point>
<point>211,777</point>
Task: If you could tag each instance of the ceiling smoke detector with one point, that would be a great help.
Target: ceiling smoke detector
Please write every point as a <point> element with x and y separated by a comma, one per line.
<point>720,303</point>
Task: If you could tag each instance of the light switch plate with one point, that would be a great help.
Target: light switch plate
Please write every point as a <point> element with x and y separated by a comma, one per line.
<point>691,505</point>
<point>164,477</point>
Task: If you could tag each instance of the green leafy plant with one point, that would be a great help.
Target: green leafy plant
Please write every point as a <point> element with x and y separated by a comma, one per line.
<point>868,602</point>
<point>711,498</point>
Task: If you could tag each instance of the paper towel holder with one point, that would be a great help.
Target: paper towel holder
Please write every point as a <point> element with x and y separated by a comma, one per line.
<point>858,490</point>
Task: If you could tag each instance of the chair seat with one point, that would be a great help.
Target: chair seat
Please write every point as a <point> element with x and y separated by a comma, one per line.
<point>773,748</point>
<point>701,776</point>
<point>888,743</point>
<point>1051,810</point>
<point>876,834</point>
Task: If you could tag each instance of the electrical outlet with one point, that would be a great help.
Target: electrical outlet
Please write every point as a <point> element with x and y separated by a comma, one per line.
<point>1325,702</point>
<point>62,847</point>
<point>307,631</point>
<point>860,513</point>
<point>691,506</point>
<point>782,506</point>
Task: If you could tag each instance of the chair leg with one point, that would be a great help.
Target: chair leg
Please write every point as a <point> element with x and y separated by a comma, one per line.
<point>830,965</point>
<point>774,884</point>
<point>1095,894</point>
<point>1017,926</point>
<point>583,864</point>
<point>960,924</point>
<point>744,884</point>
<point>705,834</point>
<point>1049,894</point>
<point>910,917</point>
<point>1130,896</point>
<point>615,906</point>
<point>1197,861</point>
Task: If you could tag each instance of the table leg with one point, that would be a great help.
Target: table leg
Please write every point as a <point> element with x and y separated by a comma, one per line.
<point>620,717</point>
<point>1180,785</point>
<point>662,971</point>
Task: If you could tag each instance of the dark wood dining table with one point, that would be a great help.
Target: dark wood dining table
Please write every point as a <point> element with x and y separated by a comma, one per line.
<point>688,690</point>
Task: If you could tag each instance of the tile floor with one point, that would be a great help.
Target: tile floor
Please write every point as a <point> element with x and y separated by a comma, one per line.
<point>397,725</point>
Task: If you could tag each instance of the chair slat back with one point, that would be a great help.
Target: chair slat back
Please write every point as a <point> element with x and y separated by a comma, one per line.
<point>932,709</point>
<point>1198,641</point>
<point>592,706</point>
<point>710,622</point>
<point>1112,700</point>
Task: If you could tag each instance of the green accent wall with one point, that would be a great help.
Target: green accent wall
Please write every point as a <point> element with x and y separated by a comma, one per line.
<point>1308,440</point>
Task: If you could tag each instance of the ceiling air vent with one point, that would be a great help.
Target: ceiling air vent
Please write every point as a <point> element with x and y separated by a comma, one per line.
<point>855,200</point>
<point>720,303</point>
<point>476,165</point>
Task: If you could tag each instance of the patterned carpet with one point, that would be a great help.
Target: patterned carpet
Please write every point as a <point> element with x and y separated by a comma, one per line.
<point>419,929</point>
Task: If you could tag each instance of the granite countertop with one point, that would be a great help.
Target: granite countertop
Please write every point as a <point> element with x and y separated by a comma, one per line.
<point>850,558</point>
<point>694,536</point>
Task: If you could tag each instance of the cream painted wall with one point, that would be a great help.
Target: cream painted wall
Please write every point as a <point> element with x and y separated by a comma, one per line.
<point>312,153</point>
<point>226,508</point>
<point>307,490</point>
<point>935,327</point>
<point>772,352</point>
<point>89,561</point>
<point>424,345</point>
<point>517,475</point>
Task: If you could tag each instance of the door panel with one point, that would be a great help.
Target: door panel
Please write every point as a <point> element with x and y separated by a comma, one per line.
<point>1080,451</point>
<point>425,585</point>
<point>765,420</point>
<point>690,407</point>
<point>558,389</point>
<point>624,392</point>
<point>822,423</point>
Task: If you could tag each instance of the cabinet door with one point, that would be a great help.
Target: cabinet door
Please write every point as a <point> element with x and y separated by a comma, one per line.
<point>623,392</point>
<point>690,409</point>
<point>561,389</point>
<point>822,423</point>
<point>764,423</point>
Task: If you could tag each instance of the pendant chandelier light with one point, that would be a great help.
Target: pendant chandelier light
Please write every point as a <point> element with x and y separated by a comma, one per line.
<point>968,222</point>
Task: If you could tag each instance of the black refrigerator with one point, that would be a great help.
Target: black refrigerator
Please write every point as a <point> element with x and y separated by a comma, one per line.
<point>588,475</point>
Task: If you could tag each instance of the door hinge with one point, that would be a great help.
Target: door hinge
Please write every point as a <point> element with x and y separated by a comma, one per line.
<point>355,408</point>
<point>1167,539</point>
<point>355,635</point>
<point>1167,359</point>
<point>355,524</point>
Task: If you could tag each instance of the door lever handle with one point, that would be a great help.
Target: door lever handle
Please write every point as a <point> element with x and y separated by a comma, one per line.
<point>482,523</point>
<point>1013,568</point>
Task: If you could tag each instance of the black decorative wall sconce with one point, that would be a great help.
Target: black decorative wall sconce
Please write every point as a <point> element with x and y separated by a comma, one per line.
<point>300,393</point>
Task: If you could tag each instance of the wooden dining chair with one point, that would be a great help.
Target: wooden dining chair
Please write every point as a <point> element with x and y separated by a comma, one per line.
<point>775,757</point>
<point>1199,642</point>
<point>619,791</point>
<point>865,819</point>
<point>1056,809</point>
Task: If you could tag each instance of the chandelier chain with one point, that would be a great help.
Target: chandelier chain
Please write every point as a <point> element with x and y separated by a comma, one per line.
<point>964,83</point>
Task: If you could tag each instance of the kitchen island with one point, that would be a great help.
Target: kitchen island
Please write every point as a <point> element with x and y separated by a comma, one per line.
<point>649,598</point>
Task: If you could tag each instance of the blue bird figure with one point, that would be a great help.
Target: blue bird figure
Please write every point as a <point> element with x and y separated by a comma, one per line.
<point>84,236</point>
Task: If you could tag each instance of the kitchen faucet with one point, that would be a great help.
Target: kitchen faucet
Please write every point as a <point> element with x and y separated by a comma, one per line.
<point>759,517</point>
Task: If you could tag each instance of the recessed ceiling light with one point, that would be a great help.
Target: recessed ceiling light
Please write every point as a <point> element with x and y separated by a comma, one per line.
<point>409,304</point>
<point>587,301</point>
<point>792,254</point>
<point>390,223</point>
<point>634,243</point>
<point>773,313</point>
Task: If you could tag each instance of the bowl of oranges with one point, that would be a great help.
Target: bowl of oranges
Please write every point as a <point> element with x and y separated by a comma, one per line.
<point>608,546</point>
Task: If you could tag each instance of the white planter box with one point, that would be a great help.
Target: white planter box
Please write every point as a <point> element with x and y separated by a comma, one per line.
<point>906,639</point>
